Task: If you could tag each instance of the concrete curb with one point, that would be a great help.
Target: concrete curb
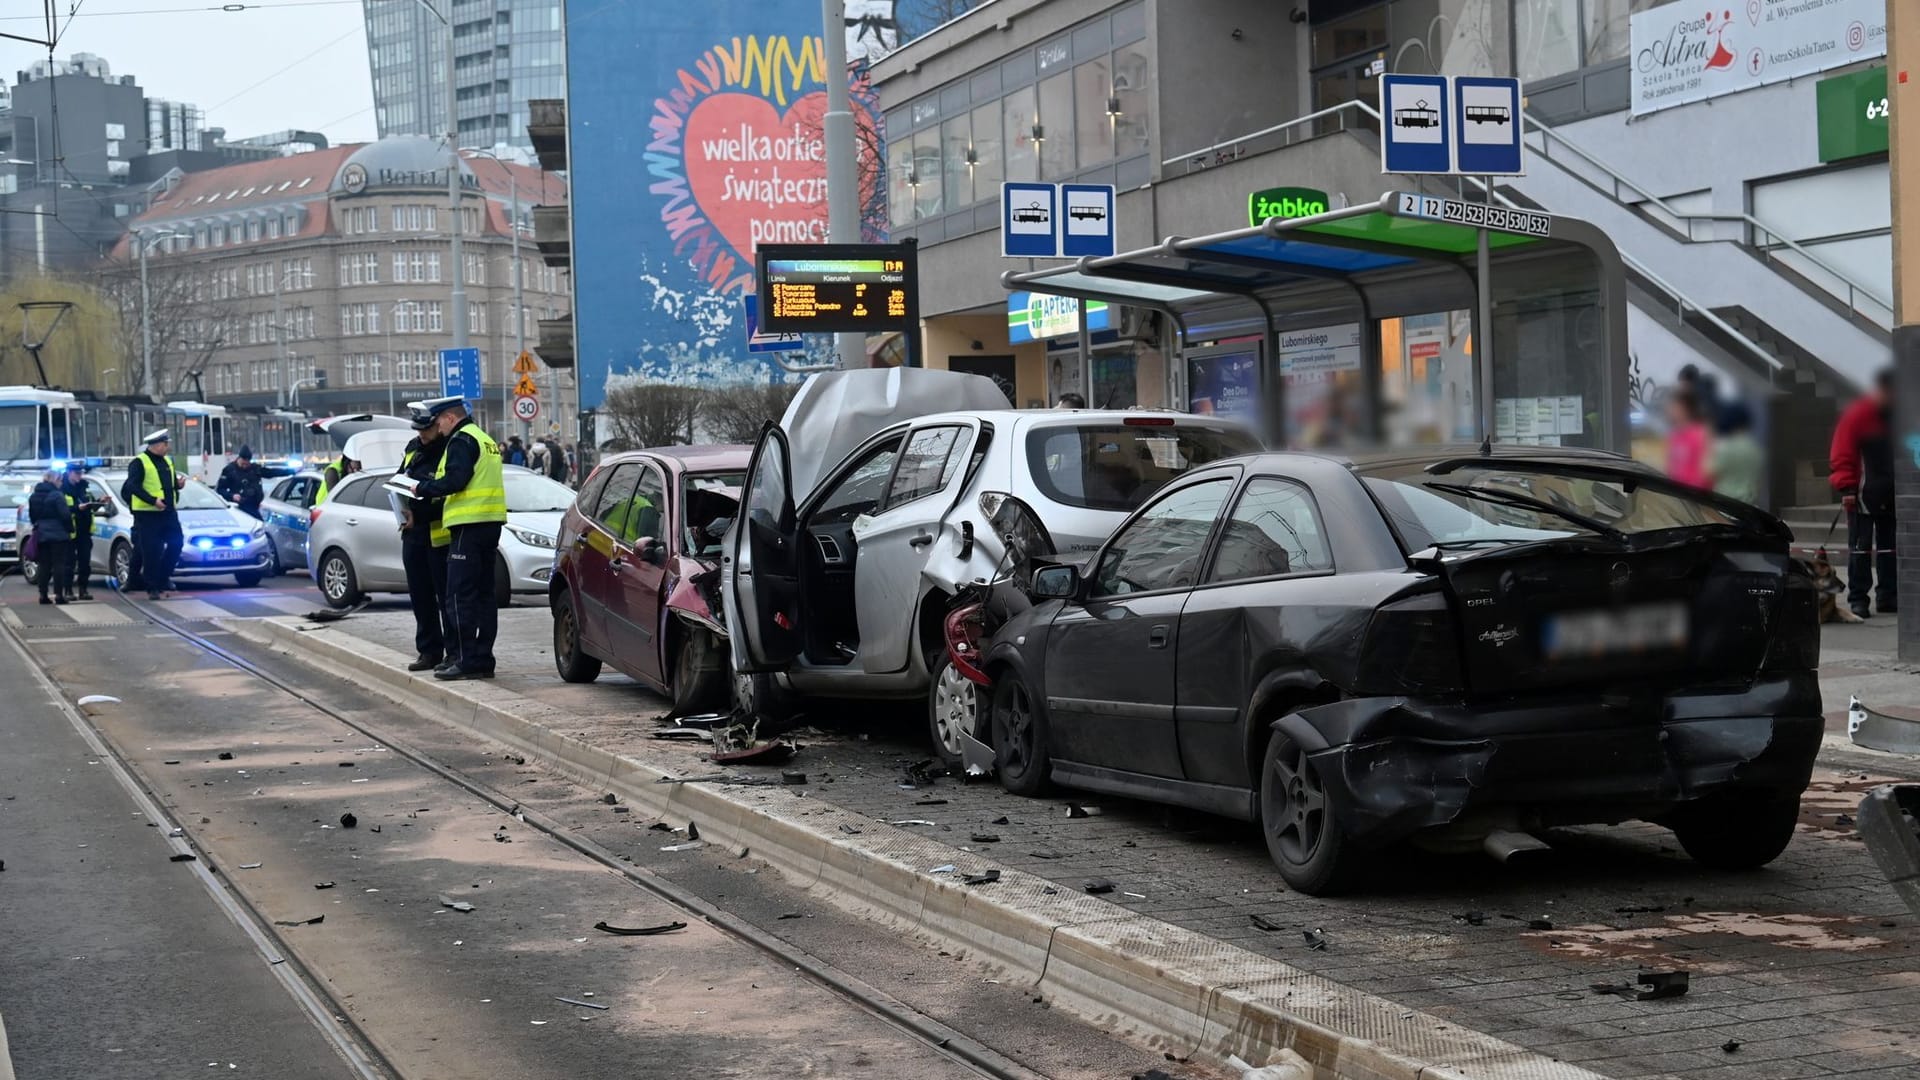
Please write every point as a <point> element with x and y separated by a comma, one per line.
<point>1179,990</point>
<point>6,1057</point>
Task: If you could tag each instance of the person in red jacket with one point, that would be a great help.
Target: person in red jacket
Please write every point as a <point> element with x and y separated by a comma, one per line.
<point>1862,463</point>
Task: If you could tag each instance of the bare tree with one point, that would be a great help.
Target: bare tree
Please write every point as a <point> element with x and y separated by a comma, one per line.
<point>177,318</point>
<point>735,414</point>
<point>652,414</point>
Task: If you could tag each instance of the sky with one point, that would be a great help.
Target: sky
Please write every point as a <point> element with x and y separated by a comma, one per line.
<point>278,64</point>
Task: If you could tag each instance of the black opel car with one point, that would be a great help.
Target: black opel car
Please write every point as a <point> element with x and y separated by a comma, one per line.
<point>1461,646</point>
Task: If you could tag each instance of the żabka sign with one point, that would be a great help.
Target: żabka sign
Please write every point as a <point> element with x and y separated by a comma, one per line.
<point>1683,53</point>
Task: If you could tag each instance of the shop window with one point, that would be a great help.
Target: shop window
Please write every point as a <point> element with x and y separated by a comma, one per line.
<point>1546,37</point>
<point>925,178</point>
<point>956,135</point>
<point>1055,119</point>
<point>1363,31</point>
<point>1092,119</point>
<point>1130,81</point>
<point>1022,153</point>
<point>987,166</point>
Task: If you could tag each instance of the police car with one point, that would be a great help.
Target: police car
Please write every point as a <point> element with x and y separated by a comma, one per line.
<point>219,539</point>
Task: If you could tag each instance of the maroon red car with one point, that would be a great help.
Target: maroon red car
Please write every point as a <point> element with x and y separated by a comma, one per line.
<point>636,572</point>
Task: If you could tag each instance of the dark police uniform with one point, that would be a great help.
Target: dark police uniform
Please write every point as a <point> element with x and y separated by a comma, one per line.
<point>471,478</point>
<point>423,553</point>
<point>81,557</point>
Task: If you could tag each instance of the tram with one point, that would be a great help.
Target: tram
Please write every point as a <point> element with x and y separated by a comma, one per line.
<point>39,429</point>
<point>36,427</point>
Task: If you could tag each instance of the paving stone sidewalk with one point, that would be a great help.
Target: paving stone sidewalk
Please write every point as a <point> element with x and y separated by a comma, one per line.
<point>1809,966</point>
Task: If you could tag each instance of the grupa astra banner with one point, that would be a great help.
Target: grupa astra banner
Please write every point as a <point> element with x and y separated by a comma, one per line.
<point>1687,51</point>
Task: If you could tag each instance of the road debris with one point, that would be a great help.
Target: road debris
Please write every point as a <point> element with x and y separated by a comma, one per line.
<point>793,779</point>
<point>617,810</point>
<point>1541,923</point>
<point>1263,924</point>
<point>1075,810</point>
<point>986,878</point>
<point>931,802</point>
<point>910,821</point>
<point>323,885</point>
<point>767,753</point>
<point>1730,1045</point>
<point>460,906</point>
<point>685,733</point>
<point>182,857</point>
<point>610,798</point>
<point>985,838</point>
<point>850,830</point>
<point>661,826</point>
<point>1316,939</point>
<point>1286,1065</point>
<point>98,699</point>
<point>315,921</point>
<point>1878,731</point>
<point>1098,887</point>
<point>1640,909</point>
<point>639,931</point>
<point>1656,984</point>
<point>1001,820</point>
<point>226,755</point>
<point>688,846</point>
<point>794,915</point>
<point>251,865</point>
<point>1046,854</point>
<point>693,831</point>
<point>582,1004</point>
<point>348,821</point>
<point>947,869</point>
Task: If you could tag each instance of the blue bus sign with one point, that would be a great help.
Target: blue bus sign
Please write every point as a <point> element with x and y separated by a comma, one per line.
<point>460,373</point>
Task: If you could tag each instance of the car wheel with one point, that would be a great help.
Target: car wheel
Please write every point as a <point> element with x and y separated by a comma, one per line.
<point>1020,752</point>
<point>274,566</point>
<point>30,570</point>
<point>1736,832</point>
<point>502,584</point>
<point>953,707</point>
<point>249,580</point>
<point>120,563</point>
<point>762,702</point>
<point>574,664</point>
<point>338,585</point>
<point>697,683</point>
<point>1302,828</point>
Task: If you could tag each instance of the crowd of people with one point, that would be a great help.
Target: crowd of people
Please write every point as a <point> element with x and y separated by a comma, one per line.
<point>1710,442</point>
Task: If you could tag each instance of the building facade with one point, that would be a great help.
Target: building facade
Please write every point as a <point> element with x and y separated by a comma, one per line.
<point>323,280</point>
<point>504,54</point>
<point>1738,161</point>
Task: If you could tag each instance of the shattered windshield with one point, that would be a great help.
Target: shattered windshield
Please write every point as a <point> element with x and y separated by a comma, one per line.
<point>1489,505</point>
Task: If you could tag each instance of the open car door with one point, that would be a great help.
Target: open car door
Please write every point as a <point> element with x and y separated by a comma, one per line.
<point>762,572</point>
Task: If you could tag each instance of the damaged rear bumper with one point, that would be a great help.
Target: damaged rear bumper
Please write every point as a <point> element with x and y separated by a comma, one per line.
<point>1394,765</point>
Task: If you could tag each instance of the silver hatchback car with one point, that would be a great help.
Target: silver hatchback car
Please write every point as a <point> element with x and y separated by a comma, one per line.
<point>353,540</point>
<point>867,511</point>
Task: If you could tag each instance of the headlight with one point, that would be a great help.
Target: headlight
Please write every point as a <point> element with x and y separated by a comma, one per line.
<point>530,538</point>
<point>259,529</point>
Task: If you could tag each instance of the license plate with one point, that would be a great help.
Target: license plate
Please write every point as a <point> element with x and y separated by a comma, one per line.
<point>1639,628</point>
<point>223,555</point>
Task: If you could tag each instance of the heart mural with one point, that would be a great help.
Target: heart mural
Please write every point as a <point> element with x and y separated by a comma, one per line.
<point>758,174</point>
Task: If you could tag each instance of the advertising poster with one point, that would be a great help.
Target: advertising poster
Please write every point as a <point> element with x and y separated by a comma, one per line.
<point>1691,52</point>
<point>1321,367</point>
<point>1225,384</point>
<point>1063,376</point>
<point>695,133</point>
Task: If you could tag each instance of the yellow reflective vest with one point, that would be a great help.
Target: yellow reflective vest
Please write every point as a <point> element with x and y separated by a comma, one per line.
<point>484,499</point>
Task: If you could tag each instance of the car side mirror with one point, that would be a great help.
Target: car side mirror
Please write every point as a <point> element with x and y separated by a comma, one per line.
<point>653,551</point>
<point>1055,583</point>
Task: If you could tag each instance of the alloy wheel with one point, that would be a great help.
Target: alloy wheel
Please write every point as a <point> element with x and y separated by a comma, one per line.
<point>333,579</point>
<point>955,705</point>
<point>1300,803</point>
<point>1016,719</point>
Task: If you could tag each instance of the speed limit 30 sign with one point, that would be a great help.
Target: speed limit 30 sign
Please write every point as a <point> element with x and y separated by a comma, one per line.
<point>526,407</point>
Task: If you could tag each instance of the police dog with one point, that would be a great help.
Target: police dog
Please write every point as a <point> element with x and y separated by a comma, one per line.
<point>1832,591</point>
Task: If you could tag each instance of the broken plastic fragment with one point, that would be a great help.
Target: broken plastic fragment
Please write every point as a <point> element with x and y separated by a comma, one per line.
<point>1098,887</point>
<point>323,884</point>
<point>251,865</point>
<point>985,838</point>
<point>688,846</point>
<point>947,869</point>
<point>582,1004</point>
<point>910,821</point>
<point>315,921</point>
<point>1001,820</point>
<point>987,878</point>
<point>98,699</point>
<point>1472,918</point>
<point>1316,940</point>
<point>458,905</point>
<point>226,755</point>
<point>1262,924</point>
<point>348,821</point>
<point>183,857</point>
<point>639,931</point>
<point>1730,1045</point>
<point>693,831</point>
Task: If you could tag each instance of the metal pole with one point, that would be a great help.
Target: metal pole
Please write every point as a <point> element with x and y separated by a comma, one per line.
<point>1483,330</point>
<point>519,302</point>
<point>453,195</point>
<point>1086,356</point>
<point>280,341</point>
<point>389,362</point>
<point>843,158</point>
<point>146,330</point>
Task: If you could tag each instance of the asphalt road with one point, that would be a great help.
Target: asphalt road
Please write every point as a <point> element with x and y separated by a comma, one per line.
<point>438,992</point>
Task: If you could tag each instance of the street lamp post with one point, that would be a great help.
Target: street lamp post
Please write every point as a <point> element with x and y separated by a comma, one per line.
<point>393,362</point>
<point>459,296</point>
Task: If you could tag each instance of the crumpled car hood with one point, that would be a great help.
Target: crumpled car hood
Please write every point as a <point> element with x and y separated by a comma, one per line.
<point>838,410</point>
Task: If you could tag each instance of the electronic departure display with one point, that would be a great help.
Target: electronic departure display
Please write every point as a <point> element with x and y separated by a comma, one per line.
<point>830,288</point>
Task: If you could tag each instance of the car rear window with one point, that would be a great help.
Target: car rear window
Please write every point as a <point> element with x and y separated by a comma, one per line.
<point>1427,516</point>
<point>1115,466</point>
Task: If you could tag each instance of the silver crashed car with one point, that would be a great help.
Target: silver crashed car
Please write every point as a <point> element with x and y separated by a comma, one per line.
<point>353,539</point>
<point>868,508</point>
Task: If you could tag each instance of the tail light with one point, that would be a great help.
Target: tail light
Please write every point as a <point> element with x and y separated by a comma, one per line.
<point>965,626</point>
<point>1412,647</point>
<point>313,517</point>
<point>1148,421</point>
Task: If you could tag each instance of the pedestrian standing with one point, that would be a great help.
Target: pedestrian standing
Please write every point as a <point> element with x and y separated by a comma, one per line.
<point>470,478</point>
<point>1687,439</point>
<point>537,456</point>
<point>80,558</point>
<point>423,549</point>
<point>151,490</point>
<point>52,518</point>
<point>576,465</point>
<point>1736,460</point>
<point>1861,460</point>
<point>240,483</point>
<point>516,454</point>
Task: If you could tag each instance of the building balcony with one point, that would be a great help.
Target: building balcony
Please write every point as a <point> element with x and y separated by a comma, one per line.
<point>555,344</point>
<point>551,235</point>
<point>547,130</point>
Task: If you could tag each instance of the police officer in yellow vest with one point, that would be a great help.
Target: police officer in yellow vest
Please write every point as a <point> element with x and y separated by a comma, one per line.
<point>424,541</point>
<point>150,491</point>
<point>471,479</point>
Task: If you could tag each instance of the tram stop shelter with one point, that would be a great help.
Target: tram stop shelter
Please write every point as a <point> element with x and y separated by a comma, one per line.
<point>1552,289</point>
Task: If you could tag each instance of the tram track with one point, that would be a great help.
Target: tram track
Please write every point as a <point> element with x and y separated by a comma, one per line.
<point>354,1044</point>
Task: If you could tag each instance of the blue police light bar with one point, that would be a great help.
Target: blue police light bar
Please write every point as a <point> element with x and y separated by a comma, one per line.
<point>59,466</point>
